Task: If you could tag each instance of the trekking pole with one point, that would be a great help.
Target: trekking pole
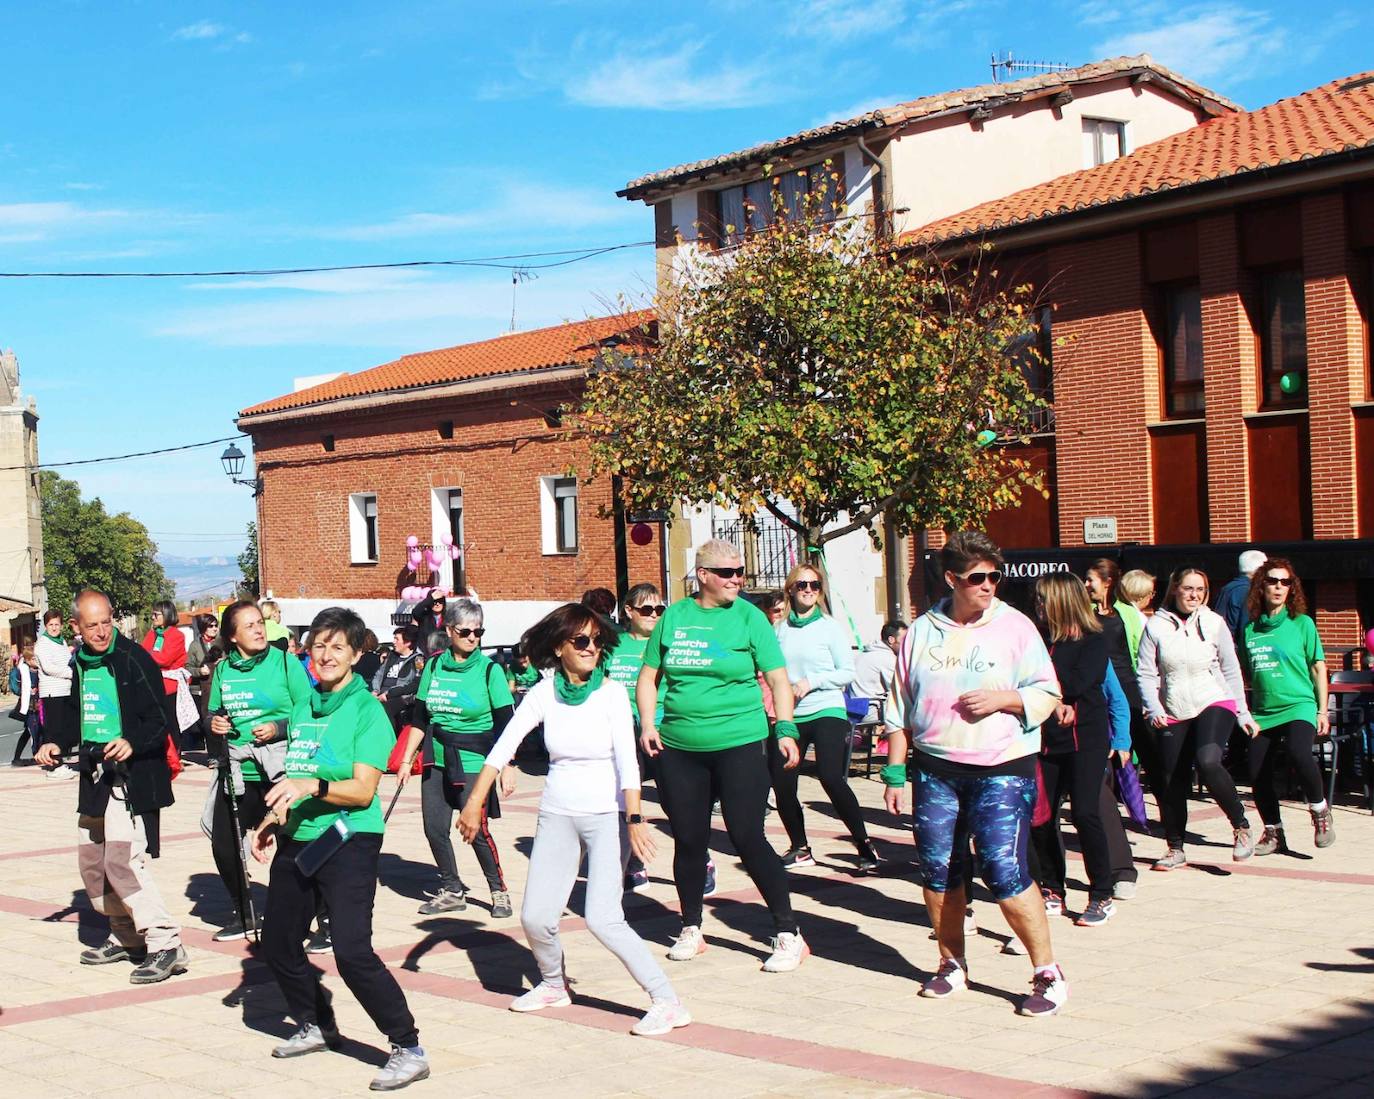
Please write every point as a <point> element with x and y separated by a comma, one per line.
<point>405,769</point>
<point>247,916</point>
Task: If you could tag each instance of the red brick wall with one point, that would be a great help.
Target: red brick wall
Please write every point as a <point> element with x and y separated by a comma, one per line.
<point>497,455</point>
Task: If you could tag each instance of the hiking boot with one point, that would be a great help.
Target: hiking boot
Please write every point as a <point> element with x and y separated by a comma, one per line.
<point>1323,829</point>
<point>1271,841</point>
<point>798,857</point>
<point>950,978</point>
<point>1245,845</point>
<point>500,906</point>
<point>868,857</point>
<point>1096,914</point>
<point>1054,902</point>
<point>1124,890</point>
<point>159,966</point>
<point>690,942</point>
<point>709,889</point>
<point>1049,993</point>
<point>311,1038</point>
<point>663,1016</point>
<point>446,900</point>
<point>541,996</point>
<point>789,951</point>
<point>1172,860</point>
<point>112,951</point>
<point>404,1066</point>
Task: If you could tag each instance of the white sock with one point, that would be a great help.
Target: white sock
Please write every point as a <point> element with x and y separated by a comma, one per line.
<point>1320,807</point>
<point>1052,969</point>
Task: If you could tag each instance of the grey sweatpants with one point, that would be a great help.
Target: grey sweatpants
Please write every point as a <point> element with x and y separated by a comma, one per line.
<point>559,842</point>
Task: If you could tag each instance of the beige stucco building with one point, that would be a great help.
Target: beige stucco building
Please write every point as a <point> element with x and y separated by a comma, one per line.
<point>22,596</point>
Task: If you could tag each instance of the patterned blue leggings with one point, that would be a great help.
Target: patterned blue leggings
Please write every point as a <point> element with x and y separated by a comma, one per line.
<point>995,810</point>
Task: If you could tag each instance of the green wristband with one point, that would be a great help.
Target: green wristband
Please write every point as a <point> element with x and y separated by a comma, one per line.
<point>786,729</point>
<point>894,774</point>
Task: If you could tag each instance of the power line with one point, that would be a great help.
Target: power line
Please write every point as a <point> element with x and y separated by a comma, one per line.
<point>122,457</point>
<point>575,255</point>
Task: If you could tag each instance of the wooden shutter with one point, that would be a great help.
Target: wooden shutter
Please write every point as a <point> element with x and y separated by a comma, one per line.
<point>708,218</point>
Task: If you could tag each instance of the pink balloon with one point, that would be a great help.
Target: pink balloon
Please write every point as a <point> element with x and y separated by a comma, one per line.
<point>447,539</point>
<point>455,552</point>
<point>413,540</point>
<point>435,558</point>
<point>413,558</point>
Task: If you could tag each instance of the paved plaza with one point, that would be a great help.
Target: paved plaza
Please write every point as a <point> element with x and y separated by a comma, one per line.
<point>1216,980</point>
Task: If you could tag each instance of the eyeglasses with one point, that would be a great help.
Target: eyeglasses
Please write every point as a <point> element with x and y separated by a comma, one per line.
<point>725,574</point>
<point>1279,581</point>
<point>806,585</point>
<point>650,609</point>
<point>976,579</point>
<point>464,631</point>
<point>584,641</point>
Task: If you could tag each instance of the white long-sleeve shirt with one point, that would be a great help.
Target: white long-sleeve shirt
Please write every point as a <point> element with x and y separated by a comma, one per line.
<point>54,666</point>
<point>591,748</point>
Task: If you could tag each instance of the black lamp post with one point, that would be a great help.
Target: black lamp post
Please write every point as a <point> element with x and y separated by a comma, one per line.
<point>232,460</point>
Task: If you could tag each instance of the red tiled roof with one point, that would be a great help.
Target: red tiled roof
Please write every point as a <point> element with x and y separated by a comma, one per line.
<point>517,352</point>
<point>990,96</point>
<point>1335,118</point>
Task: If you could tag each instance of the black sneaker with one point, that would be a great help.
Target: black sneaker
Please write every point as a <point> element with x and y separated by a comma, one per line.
<point>321,942</point>
<point>868,857</point>
<point>797,858</point>
<point>159,966</point>
<point>111,951</point>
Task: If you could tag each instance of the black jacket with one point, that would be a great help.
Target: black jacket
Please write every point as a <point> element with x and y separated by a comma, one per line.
<point>143,723</point>
<point>399,677</point>
<point>1119,652</point>
<point>1081,665</point>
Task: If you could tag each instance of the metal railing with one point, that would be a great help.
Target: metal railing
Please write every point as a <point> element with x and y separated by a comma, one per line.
<point>768,547</point>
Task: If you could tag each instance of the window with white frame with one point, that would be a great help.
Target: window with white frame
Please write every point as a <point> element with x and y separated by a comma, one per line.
<point>362,528</point>
<point>558,514</point>
<point>446,511</point>
<point>1104,140</point>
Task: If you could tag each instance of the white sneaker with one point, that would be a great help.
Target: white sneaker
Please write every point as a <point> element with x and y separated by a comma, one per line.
<point>1049,993</point>
<point>662,1017</point>
<point>1014,946</point>
<point>690,942</point>
<point>62,772</point>
<point>789,951</point>
<point>541,996</point>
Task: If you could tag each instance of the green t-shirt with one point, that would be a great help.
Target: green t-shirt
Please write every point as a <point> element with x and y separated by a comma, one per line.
<point>1279,653</point>
<point>328,734</point>
<point>524,679</point>
<point>623,667</point>
<point>265,688</point>
<point>460,696</point>
<point>100,720</point>
<point>710,659</point>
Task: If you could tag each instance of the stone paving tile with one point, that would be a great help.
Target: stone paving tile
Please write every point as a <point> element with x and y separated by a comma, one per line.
<point>1218,979</point>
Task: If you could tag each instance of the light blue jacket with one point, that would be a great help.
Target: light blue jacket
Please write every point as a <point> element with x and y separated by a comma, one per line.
<point>1118,711</point>
<point>819,653</point>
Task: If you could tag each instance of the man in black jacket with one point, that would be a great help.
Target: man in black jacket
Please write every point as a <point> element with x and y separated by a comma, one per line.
<point>124,782</point>
<point>398,679</point>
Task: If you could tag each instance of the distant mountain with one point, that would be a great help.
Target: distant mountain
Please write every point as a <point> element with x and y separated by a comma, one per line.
<point>200,579</point>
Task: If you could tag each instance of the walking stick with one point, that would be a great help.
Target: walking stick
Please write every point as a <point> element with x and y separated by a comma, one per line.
<point>247,916</point>
<point>405,769</point>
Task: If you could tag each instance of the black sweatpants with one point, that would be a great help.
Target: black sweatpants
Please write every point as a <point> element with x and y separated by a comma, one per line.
<point>688,782</point>
<point>437,816</point>
<point>348,884</point>
<point>1299,736</point>
<point>224,844</point>
<point>1077,776</point>
<point>830,735</point>
<point>1145,744</point>
<point>1202,739</point>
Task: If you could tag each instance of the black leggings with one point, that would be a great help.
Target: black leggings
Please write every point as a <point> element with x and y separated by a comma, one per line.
<point>438,821</point>
<point>1299,736</point>
<point>830,735</point>
<point>225,845</point>
<point>1077,776</point>
<point>348,884</point>
<point>1202,739</point>
<point>688,782</point>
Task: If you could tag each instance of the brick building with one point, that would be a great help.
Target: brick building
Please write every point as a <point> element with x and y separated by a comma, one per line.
<point>1209,300</point>
<point>465,442</point>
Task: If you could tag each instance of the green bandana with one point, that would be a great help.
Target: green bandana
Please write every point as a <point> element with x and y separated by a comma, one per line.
<point>1268,622</point>
<point>798,622</point>
<point>241,663</point>
<point>88,659</point>
<point>157,645</point>
<point>574,694</point>
<point>322,704</point>
<point>451,663</point>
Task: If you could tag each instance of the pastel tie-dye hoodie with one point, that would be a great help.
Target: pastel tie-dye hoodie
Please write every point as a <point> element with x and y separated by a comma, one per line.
<point>941,660</point>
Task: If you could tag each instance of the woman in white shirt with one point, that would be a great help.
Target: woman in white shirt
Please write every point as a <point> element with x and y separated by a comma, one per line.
<point>593,777</point>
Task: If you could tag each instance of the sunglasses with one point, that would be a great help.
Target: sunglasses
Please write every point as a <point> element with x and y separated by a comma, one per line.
<point>584,641</point>
<point>975,579</point>
<point>725,574</point>
<point>650,609</point>
<point>464,631</point>
<point>1279,581</point>
<point>806,585</point>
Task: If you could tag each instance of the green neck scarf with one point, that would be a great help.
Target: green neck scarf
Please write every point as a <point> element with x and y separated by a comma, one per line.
<point>88,659</point>
<point>793,619</point>
<point>450,663</point>
<point>1272,621</point>
<point>241,663</point>
<point>157,645</point>
<point>322,704</point>
<point>574,694</point>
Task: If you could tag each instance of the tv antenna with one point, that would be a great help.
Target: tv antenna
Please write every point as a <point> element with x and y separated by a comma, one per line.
<point>517,276</point>
<point>1004,64</point>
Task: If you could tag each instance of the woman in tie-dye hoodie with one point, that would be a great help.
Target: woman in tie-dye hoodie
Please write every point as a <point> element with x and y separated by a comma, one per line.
<point>973,684</point>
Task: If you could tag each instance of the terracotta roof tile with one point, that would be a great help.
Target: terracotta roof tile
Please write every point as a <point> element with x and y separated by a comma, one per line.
<point>517,352</point>
<point>963,99</point>
<point>1335,118</point>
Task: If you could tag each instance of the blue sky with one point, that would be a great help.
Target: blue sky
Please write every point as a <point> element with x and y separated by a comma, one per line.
<point>148,136</point>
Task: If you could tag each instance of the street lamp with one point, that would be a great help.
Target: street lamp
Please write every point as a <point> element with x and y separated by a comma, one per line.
<point>232,461</point>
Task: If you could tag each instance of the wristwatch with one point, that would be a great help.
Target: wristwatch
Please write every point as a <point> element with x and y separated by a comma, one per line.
<point>322,790</point>
<point>633,818</point>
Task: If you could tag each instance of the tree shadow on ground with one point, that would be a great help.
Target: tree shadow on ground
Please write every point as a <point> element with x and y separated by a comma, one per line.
<point>500,962</point>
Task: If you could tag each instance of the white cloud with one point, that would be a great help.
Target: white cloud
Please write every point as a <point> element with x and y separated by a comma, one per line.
<point>83,186</point>
<point>841,20</point>
<point>32,221</point>
<point>1225,42</point>
<point>672,81</point>
<point>205,31</point>
<point>863,107</point>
